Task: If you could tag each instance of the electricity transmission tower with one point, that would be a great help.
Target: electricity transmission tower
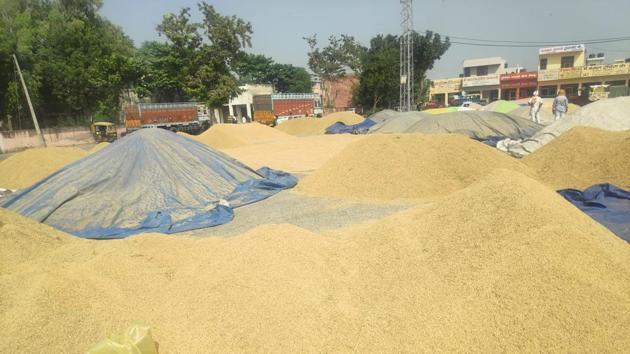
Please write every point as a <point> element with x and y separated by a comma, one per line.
<point>406,56</point>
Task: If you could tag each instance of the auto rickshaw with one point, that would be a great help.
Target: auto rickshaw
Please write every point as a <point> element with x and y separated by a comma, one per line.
<point>104,131</point>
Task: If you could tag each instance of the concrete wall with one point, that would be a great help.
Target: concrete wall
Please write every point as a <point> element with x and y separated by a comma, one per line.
<point>554,61</point>
<point>20,139</point>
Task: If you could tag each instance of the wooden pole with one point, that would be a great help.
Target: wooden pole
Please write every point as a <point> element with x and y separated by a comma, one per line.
<point>28,99</point>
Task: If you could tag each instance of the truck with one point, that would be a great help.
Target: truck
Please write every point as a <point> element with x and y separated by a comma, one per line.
<point>263,110</point>
<point>189,117</point>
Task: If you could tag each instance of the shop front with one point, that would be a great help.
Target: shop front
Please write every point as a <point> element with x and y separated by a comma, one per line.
<point>515,86</point>
<point>487,87</point>
<point>443,91</point>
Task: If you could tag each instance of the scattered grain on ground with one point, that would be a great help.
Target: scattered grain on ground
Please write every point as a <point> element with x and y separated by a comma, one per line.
<point>98,147</point>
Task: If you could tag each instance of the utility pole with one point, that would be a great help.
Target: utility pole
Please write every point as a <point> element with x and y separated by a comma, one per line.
<point>406,56</point>
<point>28,99</point>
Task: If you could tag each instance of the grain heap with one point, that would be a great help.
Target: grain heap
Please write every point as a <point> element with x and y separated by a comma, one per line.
<point>295,154</point>
<point>582,157</point>
<point>98,147</point>
<point>406,166</point>
<point>27,167</point>
<point>317,126</point>
<point>504,265</point>
<point>225,136</point>
<point>501,106</point>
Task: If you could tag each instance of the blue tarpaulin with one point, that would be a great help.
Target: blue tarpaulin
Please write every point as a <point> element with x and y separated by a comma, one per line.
<point>606,203</point>
<point>341,128</point>
<point>152,180</point>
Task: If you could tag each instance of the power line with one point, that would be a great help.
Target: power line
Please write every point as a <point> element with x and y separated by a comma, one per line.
<point>614,50</point>
<point>540,44</point>
<point>575,41</point>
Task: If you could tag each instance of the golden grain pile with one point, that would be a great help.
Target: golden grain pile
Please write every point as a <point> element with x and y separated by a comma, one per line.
<point>98,147</point>
<point>29,166</point>
<point>393,166</point>
<point>503,265</point>
<point>225,136</point>
<point>584,156</point>
<point>317,126</point>
<point>296,154</point>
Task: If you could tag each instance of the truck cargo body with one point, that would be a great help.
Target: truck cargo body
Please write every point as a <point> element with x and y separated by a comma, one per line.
<point>293,105</point>
<point>263,110</point>
<point>185,117</point>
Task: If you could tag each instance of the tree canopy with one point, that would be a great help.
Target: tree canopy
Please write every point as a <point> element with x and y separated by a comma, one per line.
<point>285,78</point>
<point>379,80</point>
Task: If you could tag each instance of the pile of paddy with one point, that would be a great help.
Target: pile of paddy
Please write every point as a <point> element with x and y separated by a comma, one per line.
<point>225,136</point>
<point>295,154</point>
<point>317,126</point>
<point>503,265</point>
<point>582,157</point>
<point>391,166</point>
<point>98,147</point>
<point>29,166</point>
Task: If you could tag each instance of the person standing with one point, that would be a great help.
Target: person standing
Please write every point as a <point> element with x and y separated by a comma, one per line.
<point>535,103</point>
<point>560,105</point>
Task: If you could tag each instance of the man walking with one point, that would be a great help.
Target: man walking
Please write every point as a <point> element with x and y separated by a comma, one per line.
<point>535,102</point>
<point>560,105</point>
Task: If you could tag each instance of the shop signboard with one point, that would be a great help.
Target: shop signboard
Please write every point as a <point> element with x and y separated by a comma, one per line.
<point>570,73</point>
<point>561,49</point>
<point>517,80</point>
<point>486,80</point>
<point>606,70</point>
<point>549,75</point>
<point>446,86</point>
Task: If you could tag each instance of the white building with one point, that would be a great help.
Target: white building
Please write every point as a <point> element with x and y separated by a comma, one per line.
<point>482,77</point>
<point>241,106</point>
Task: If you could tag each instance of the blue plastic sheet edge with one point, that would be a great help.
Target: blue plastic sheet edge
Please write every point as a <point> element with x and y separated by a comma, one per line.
<point>606,203</point>
<point>245,193</point>
<point>341,128</point>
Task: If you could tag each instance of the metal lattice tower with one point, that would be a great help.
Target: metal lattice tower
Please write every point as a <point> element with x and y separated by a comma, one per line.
<point>406,56</point>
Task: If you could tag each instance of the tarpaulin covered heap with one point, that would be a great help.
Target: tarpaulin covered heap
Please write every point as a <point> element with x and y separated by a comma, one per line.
<point>151,180</point>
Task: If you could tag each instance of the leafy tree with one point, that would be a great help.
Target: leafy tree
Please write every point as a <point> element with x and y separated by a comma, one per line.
<point>75,62</point>
<point>259,69</point>
<point>379,81</point>
<point>199,59</point>
<point>334,61</point>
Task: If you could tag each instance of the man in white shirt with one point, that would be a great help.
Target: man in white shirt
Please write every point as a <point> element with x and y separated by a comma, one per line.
<point>535,103</point>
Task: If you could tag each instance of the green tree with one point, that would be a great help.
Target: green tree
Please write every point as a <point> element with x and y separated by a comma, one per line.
<point>199,59</point>
<point>333,62</point>
<point>379,80</point>
<point>259,69</point>
<point>75,62</point>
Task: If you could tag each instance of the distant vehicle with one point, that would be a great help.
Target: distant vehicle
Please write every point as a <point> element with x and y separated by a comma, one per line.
<point>188,117</point>
<point>263,110</point>
<point>431,105</point>
<point>104,132</point>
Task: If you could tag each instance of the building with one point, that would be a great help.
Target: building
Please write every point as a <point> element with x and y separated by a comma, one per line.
<point>444,91</point>
<point>242,105</point>
<point>518,85</point>
<point>567,67</point>
<point>482,77</point>
<point>337,95</point>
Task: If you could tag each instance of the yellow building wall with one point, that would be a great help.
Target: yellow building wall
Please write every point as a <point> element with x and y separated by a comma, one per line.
<point>554,60</point>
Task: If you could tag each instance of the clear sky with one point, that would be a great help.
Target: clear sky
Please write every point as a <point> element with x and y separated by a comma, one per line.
<point>279,25</point>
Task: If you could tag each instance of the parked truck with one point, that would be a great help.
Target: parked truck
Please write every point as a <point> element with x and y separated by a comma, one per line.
<point>263,110</point>
<point>188,117</point>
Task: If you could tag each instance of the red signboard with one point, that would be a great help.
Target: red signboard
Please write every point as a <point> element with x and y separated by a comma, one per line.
<point>519,80</point>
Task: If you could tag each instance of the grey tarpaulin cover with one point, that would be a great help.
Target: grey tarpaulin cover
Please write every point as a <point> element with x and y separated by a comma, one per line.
<point>475,124</point>
<point>150,180</point>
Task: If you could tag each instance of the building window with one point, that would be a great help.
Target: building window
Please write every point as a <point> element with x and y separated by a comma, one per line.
<point>543,64</point>
<point>567,62</point>
<point>467,72</point>
<point>482,70</point>
<point>571,90</point>
<point>548,91</point>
